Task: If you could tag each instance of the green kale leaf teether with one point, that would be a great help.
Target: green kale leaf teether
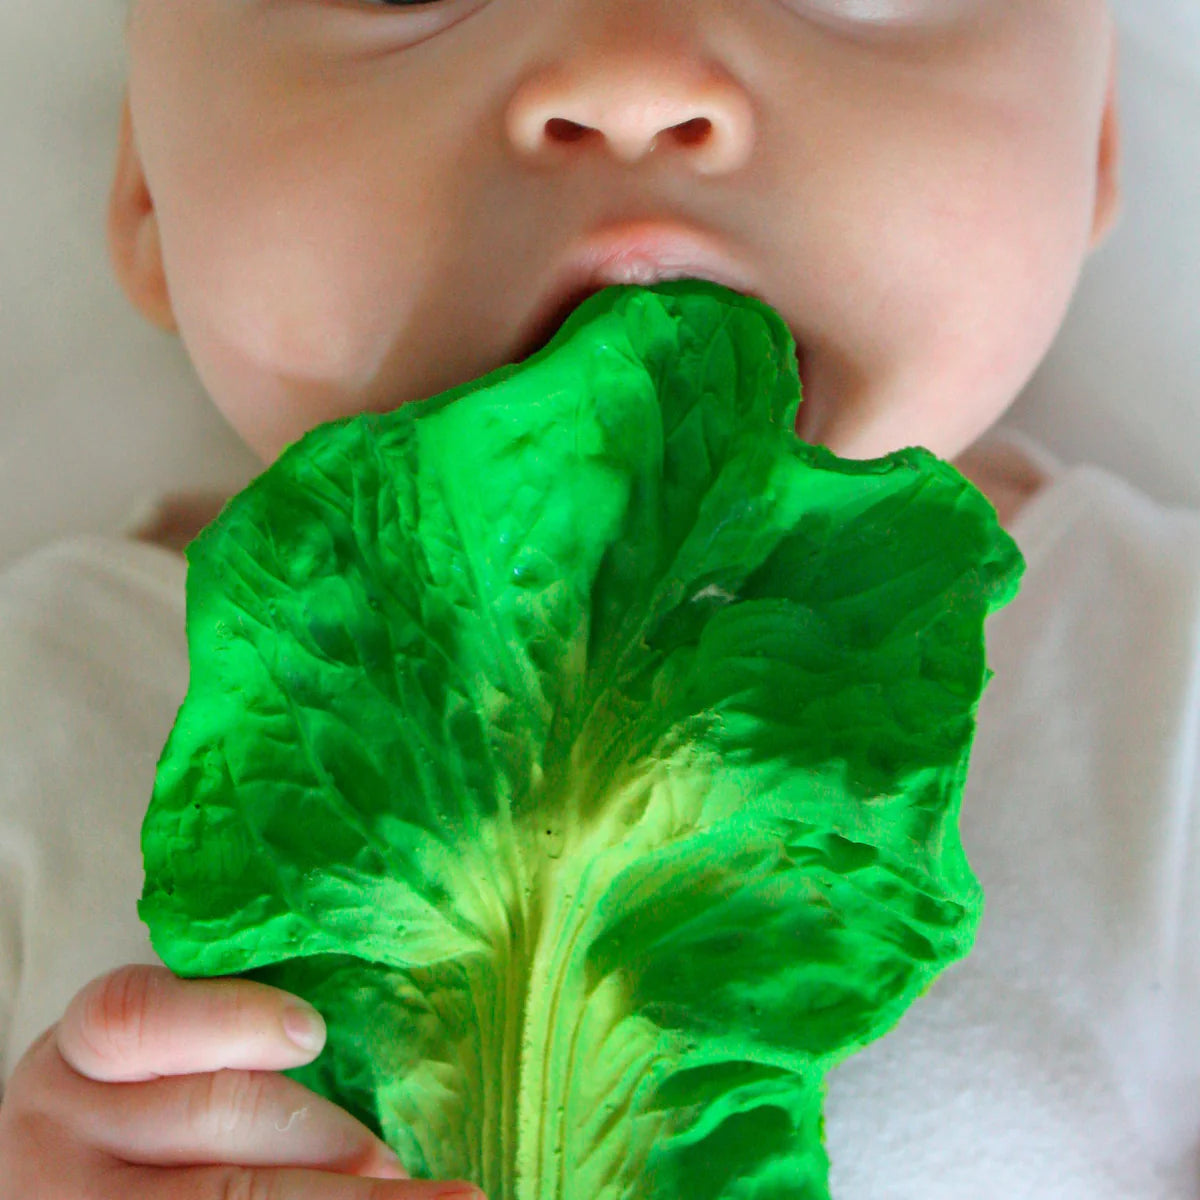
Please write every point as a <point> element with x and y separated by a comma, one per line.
<point>589,750</point>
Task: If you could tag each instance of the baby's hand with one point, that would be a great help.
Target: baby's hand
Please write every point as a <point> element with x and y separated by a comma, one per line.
<point>148,1076</point>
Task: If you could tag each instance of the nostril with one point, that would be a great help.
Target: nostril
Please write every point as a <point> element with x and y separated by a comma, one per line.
<point>692,132</point>
<point>559,129</point>
<point>687,133</point>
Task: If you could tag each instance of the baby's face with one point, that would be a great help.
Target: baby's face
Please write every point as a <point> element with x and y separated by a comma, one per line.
<point>343,205</point>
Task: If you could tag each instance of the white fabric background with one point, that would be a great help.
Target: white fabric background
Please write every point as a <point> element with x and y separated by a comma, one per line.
<point>99,409</point>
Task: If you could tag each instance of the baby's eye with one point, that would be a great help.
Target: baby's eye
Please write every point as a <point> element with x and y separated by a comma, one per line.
<point>412,21</point>
<point>881,12</point>
<point>421,4</point>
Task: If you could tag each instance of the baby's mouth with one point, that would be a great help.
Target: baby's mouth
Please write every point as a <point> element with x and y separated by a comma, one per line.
<point>540,335</point>
<point>545,327</point>
<point>641,253</point>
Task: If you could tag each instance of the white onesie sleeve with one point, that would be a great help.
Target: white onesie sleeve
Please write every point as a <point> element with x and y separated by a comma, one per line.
<point>93,668</point>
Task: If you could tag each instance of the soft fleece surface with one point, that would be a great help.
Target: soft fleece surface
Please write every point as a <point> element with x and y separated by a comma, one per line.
<point>99,411</point>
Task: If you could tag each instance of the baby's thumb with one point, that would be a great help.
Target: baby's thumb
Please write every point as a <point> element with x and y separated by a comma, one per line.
<point>142,1022</point>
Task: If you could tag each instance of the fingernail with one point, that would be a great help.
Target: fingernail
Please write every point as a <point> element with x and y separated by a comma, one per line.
<point>463,1191</point>
<point>388,1164</point>
<point>387,1170</point>
<point>304,1025</point>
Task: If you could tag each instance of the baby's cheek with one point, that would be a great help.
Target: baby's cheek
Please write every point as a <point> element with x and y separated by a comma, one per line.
<point>967,302</point>
<point>288,334</point>
<point>1002,257</point>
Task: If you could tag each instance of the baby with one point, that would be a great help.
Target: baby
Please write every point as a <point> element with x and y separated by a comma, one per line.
<point>345,205</point>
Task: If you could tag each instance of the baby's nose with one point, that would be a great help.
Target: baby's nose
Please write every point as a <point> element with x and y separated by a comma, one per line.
<point>695,111</point>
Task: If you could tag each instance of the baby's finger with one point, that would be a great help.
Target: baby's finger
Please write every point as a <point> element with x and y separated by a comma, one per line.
<point>277,1183</point>
<point>142,1022</point>
<point>239,1118</point>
